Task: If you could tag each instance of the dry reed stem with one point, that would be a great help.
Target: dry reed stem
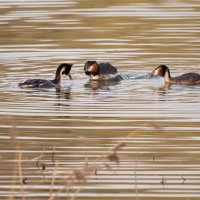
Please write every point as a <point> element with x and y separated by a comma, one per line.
<point>136,185</point>
<point>20,174</point>
<point>40,156</point>
<point>67,184</point>
<point>86,158</point>
<point>14,142</point>
<point>183,178</point>
<point>74,197</point>
<point>52,155</point>
<point>15,170</point>
<point>116,148</point>
<point>159,128</point>
<point>53,179</point>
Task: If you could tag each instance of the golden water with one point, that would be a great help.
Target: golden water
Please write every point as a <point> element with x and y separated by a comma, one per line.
<point>159,125</point>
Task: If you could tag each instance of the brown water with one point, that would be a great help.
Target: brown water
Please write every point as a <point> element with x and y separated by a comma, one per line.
<point>66,130</point>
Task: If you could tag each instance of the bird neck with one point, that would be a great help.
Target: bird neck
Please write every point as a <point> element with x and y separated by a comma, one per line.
<point>57,78</point>
<point>167,76</point>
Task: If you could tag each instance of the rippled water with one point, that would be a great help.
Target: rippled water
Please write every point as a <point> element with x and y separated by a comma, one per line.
<point>47,138</point>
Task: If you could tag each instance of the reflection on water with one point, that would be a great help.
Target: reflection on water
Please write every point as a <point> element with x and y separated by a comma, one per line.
<point>103,85</point>
<point>50,140</point>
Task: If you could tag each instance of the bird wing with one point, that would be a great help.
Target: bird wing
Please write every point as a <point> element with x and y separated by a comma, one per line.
<point>188,78</point>
<point>107,68</point>
<point>32,83</point>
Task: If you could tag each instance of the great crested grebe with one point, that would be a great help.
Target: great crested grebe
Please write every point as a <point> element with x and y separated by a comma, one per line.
<point>185,79</point>
<point>63,69</point>
<point>101,71</point>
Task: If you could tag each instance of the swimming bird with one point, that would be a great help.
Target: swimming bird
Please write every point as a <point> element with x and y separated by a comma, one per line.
<point>101,71</point>
<point>63,69</point>
<point>185,79</point>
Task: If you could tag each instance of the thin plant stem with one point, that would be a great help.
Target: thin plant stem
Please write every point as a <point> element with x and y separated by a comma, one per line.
<point>20,174</point>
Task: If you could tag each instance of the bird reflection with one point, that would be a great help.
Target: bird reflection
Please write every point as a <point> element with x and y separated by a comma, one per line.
<point>167,86</point>
<point>102,85</point>
<point>63,94</point>
<point>163,90</point>
<point>57,96</point>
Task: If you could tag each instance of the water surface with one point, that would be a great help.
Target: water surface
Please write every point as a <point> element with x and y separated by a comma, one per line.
<point>47,136</point>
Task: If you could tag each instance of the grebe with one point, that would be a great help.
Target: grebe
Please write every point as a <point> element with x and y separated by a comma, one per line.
<point>101,71</point>
<point>185,79</point>
<point>63,69</point>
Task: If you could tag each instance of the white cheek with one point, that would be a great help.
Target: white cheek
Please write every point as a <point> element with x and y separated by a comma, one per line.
<point>156,73</point>
<point>62,73</point>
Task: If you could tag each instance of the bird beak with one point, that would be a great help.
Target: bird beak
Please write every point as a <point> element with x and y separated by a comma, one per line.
<point>87,72</point>
<point>150,75</point>
<point>70,76</point>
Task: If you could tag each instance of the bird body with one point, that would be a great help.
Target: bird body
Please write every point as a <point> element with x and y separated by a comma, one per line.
<point>38,83</point>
